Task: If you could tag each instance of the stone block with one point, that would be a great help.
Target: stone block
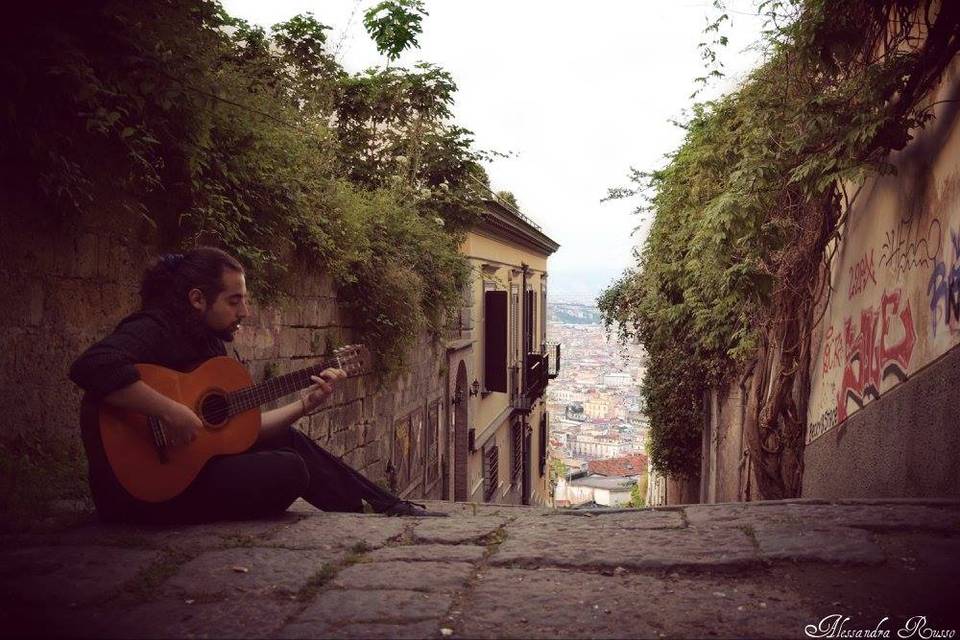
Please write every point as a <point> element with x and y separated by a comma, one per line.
<point>371,454</point>
<point>133,259</point>
<point>591,542</point>
<point>337,443</point>
<point>874,517</point>
<point>87,256</point>
<point>414,576</point>
<point>511,603</point>
<point>70,302</point>
<point>638,518</point>
<point>244,571</point>
<point>117,301</point>
<point>339,607</point>
<point>364,631</point>
<point>291,313</point>
<point>245,617</point>
<point>836,546</point>
<point>69,574</point>
<point>460,530</point>
<point>338,532</point>
<point>354,458</point>
<point>26,307</point>
<point>295,342</point>
<point>318,312</point>
<point>429,553</point>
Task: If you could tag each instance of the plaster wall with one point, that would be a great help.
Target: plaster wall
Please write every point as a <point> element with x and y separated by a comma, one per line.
<point>497,264</point>
<point>878,420</point>
<point>894,308</point>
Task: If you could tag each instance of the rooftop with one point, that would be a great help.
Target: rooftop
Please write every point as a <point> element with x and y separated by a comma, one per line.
<point>632,465</point>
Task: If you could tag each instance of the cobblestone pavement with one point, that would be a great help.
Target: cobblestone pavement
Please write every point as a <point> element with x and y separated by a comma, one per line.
<point>771,569</point>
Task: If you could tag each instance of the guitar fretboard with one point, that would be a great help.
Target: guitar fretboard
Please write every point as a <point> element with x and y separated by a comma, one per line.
<point>259,394</point>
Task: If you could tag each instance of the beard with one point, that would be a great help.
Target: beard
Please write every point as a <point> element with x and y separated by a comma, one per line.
<point>199,328</point>
<point>226,335</point>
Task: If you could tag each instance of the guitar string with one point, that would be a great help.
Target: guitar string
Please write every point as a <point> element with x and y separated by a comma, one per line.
<point>272,389</point>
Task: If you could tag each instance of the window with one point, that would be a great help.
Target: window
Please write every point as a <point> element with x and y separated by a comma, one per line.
<point>495,341</point>
<point>491,455</point>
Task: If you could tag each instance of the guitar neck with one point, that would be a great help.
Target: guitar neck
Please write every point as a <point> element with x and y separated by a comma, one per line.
<point>259,394</point>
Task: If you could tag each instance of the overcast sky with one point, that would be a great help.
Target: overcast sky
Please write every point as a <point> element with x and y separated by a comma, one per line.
<point>578,92</point>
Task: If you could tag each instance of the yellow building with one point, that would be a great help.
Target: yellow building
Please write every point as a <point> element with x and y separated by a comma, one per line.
<point>499,366</point>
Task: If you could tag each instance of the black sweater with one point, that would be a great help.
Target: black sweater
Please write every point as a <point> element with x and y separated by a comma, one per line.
<point>152,336</point>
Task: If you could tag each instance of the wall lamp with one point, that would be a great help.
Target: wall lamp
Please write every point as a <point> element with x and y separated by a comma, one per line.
<point>475,387</point>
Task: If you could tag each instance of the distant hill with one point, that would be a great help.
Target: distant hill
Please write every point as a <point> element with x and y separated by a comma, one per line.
<point>571,313</point>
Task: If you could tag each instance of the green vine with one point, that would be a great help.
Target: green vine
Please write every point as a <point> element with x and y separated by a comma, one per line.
<point>214,131</point>
<point>746,208</point>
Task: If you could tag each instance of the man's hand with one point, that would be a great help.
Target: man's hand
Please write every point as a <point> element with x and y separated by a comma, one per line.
<point>322,387</point>
<point>180,424</point>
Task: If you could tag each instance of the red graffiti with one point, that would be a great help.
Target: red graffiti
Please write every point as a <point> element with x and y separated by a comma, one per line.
<point>861,274</point>
<point>833,350</point>
<point>870,355</point>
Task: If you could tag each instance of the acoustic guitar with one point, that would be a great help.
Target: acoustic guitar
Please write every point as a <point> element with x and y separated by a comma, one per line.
<point>223,395</point>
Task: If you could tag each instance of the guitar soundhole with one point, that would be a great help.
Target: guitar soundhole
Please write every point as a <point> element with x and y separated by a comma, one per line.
<point>214,409</point>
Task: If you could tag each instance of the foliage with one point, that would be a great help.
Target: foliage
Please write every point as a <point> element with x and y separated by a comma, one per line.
<point>638,494</point>
<point>558,469</point>
<point>746,208</point>
<point>215,131</point>
<point>509,199</point>
<point>37,471</point>
<point>394,25</point>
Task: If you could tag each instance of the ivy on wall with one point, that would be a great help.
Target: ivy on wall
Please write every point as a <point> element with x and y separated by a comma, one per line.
<point>215,131</point>
<point>745,212</point>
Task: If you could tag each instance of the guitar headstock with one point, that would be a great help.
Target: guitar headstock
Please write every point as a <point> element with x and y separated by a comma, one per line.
<point>354,359</point>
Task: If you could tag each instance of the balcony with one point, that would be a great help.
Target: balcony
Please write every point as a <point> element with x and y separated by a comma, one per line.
<point>553,367</point>
<point>459,326</point>
<point>537,371</point>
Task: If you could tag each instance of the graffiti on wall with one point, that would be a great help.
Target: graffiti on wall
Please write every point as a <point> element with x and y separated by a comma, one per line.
<point>877,348</point>
<point>826,422</point>
<point>944,289</point>
<point>861,275</point>
<point>911,245</point>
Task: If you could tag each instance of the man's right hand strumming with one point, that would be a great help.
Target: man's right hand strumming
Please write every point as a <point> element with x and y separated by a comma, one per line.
<point>180,424</point>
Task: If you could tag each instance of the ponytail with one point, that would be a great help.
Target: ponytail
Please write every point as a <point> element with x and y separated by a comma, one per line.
<point>170,277</point>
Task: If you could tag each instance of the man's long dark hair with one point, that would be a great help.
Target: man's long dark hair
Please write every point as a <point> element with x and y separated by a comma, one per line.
<point>168,280</point>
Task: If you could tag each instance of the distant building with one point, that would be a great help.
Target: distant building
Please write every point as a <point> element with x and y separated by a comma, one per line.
<point>499,365</point>
<point>597,408</point>
<point>574,411</point>
<point>607,492</point>
<point>595,446</point>
<point>625,466</point>
<point>656,488</point>
<point>618,379</point>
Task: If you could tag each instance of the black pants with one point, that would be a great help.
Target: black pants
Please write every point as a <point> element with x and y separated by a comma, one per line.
<point>260,482</point>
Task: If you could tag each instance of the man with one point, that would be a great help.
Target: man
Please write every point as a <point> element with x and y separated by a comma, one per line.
<point>190,305</point>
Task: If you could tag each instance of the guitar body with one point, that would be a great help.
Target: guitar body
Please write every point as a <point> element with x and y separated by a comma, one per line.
<point>152,474</point>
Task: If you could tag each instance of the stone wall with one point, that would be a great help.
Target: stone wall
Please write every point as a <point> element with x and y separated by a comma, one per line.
<point>66,285</point>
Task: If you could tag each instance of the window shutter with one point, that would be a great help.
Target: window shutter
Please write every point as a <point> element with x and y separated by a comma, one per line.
<point>543,443</point>
<point>495,341</point>
<point>491,472</point>
<point>528,320</point>
<point>517,441</point>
